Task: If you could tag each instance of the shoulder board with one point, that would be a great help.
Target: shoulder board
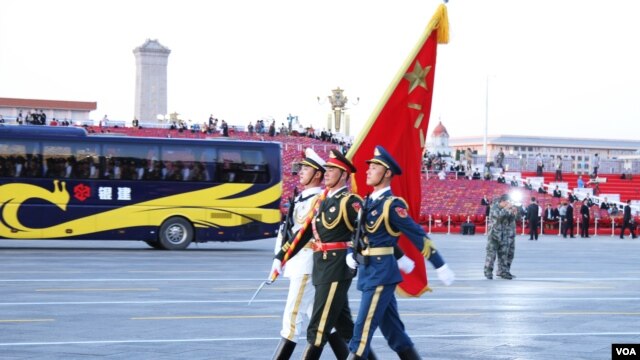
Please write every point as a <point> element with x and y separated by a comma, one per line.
<point>392,198</point>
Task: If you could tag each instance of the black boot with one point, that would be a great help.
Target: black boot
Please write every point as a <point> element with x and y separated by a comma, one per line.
<point>409,354</point>
<point>284,349</point>
<point>339,346</point>
<point>372,356</point>
<point>312,352</point>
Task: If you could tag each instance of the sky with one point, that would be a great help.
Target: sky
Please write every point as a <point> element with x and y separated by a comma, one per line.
<point>548,68</point>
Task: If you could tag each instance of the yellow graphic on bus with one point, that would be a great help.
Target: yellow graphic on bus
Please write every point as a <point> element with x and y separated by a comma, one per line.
<point>210,207</point>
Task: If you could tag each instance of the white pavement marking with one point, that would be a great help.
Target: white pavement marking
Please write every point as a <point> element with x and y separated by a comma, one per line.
<point>353,300</point>
<point>488,335</point>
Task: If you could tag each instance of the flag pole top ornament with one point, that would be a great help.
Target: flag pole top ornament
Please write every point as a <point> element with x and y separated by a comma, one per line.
<point>313,160</point>
<point>336,159</point>
<point>382,157</point>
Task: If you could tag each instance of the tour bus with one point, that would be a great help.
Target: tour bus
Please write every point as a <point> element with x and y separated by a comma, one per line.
<point>62,183</point>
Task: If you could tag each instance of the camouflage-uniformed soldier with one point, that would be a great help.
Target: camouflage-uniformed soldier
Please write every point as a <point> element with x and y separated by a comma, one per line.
<point>498,239</point>
<point>511,249</point>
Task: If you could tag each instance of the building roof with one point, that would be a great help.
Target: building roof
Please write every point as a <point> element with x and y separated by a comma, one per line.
<point>48,104</point>
<point>549,141</point>
<point>439,130</point>
<point>152,45</point>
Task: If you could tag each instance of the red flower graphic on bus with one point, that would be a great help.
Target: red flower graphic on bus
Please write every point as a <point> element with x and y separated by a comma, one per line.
<point>81,192</point>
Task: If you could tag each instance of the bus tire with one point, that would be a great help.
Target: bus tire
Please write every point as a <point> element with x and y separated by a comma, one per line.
<point>176,233</point>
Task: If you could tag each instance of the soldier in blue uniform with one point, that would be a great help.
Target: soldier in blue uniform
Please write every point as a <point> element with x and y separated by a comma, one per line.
<point>386,217</point>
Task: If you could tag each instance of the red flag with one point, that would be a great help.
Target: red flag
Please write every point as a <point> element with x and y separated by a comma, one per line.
<point>399,123</point>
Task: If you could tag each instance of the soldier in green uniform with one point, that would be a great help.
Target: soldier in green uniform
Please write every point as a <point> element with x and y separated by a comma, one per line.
<point>498,240</point>
<point>331,229</point>
<point>511,249</point>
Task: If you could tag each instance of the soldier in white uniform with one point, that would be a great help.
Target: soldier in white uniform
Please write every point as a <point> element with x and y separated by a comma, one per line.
<point>298,269</point>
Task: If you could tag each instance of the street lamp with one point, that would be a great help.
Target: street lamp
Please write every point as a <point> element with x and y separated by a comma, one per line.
<point>338,105</point>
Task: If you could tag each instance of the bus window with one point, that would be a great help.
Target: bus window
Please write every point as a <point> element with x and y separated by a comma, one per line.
<point>241,166</point>
<point>70,160</point>
<point>126,161</point>
<point>20,158</point>
<point>187,163</point>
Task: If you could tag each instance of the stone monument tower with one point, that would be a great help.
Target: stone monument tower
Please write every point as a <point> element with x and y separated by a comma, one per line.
<point>151,80</point>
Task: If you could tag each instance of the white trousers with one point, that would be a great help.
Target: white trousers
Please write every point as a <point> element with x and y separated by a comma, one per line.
<point>299,307</point>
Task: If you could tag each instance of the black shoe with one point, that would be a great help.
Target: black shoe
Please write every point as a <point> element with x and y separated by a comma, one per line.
<point>338,345</point>
<point>311,352</point>
<point>489,276</point>
<point>409,354</point>
<point>506,276</point>
<point>284,350</point>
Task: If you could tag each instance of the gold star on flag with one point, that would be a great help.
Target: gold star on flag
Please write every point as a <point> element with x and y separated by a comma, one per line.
<point>417,77</point>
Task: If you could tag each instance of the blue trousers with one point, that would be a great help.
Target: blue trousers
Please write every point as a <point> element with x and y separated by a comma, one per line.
<point>378,308</point>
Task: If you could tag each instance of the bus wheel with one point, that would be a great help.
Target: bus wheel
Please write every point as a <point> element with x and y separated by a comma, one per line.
<point>154,244</point>
<point>176,233</point>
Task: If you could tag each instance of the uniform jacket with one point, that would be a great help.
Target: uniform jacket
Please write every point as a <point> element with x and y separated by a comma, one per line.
<point>584,211</point>
<point>334,222</point>
<point>627,213</point>
<point>569,214</point>
<point>302,263</point>
<point>532,213</point>
<point>386,218</point>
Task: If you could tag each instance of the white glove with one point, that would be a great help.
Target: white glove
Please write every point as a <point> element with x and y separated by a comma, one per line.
<point>446,275</point>
<point>276,267</point>
<point>405,264</point>
<point>351,262</point>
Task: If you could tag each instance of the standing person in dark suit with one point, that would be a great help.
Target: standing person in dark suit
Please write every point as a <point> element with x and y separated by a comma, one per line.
<point>534,220</point>
<point>485,201</point>
<point>586,216</point>
<point>627,221</point>
<point>568,221</point>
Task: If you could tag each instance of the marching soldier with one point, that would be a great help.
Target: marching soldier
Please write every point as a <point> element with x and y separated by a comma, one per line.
<point>331,229</point>
<point>386,217</point>
<point>298,269</point>
<point>498,240</point>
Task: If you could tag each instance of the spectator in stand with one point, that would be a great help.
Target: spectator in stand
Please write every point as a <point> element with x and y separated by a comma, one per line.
<point>539,165</point>
<point>541,189</point>
<point>628,221</point>
<point>476,175</point>
<point>250,128</point>
<point>528,185</point>
<point>514,181</point>
<point>596,165</point>
<point>557,193</point>
<point>586,216</point>
<point>485,201</point>
<point>225,129</point>
<point>604,205</point>
<point>500,159</point>
<point>551,214</point>
<point>580,182</point>
<point>558,166</point>
<point>588,201</point>
<point>1,120</point>
<point>501,179</point>
<point>53,122</point>
<point>468,156</point>
<point>135,123</point>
